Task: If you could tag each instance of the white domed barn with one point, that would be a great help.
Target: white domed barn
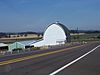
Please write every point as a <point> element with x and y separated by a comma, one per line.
<point>55,34</point>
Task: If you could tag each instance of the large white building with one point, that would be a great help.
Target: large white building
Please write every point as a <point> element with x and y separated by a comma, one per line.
<point>55,34</point>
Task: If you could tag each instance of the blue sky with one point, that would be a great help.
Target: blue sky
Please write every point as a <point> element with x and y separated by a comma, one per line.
<point>36,15</point>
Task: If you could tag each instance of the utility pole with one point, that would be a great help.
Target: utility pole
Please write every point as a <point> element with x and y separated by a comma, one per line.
<point>77,34</point>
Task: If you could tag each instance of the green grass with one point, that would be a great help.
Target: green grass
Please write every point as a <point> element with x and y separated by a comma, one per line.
<point>86,37</point>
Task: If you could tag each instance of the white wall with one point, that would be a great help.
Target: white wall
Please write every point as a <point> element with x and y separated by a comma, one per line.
<point>52,36</point>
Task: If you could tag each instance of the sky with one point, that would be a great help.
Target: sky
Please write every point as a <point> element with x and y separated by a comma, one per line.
<point>36,15</point>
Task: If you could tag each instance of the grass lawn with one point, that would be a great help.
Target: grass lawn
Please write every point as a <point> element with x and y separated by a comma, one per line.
<point>85,37</point>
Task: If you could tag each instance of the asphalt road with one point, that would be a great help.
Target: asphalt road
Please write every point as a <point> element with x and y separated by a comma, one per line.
<point>48,61</point>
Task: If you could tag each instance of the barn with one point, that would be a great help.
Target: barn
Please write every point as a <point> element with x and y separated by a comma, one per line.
<point>55,34</point>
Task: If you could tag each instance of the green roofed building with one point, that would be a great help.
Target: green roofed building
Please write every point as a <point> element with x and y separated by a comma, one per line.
<point>20,44</point>
<point>16,45</point>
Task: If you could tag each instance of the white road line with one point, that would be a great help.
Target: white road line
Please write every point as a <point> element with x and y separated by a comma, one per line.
<point>67,65</point>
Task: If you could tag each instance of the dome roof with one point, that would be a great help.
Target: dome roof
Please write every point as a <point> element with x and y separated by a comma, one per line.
<point>55,34</point>
<point>66,30</point>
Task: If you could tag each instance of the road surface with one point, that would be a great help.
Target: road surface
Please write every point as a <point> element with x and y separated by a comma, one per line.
<point>80,60</point>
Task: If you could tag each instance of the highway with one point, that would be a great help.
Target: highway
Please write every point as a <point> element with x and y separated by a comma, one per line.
<point>72,60</point>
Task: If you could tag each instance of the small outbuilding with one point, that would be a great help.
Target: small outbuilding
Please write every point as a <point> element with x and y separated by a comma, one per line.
<point>3,46</point>
<point>55,34</point>
<point>20,44</point>
<point>15,45</point>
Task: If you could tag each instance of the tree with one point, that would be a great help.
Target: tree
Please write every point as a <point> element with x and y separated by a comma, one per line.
<point>98,36</point>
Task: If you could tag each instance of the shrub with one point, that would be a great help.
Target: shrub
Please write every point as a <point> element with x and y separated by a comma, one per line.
<point>17,49</point>
<point>98,36</point>
<point>35,48</point>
